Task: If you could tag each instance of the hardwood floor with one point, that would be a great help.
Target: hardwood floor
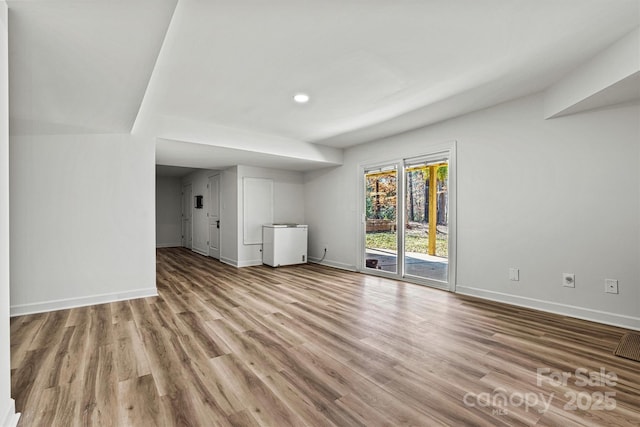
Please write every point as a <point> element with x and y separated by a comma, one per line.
<point>309,345</point>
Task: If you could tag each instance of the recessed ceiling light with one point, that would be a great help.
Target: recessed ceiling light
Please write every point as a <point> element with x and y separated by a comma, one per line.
<point>301,98</point>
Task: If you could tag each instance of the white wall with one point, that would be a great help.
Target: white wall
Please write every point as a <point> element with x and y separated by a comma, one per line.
<point>82,220</point>
<point>331,211</point>
<point>288,194</point>
<point>547,197</point>
<point>288,205</point>
<point>229,216</point>
<point>168,211</point>
<point>7,409</point>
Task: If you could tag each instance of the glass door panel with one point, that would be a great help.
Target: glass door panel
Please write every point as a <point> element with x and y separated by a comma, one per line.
<point>381,219</point>
<point>426,228</point>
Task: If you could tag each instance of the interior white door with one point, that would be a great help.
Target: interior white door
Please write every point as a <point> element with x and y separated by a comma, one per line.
<point>213,216</point>
<point>187,238</point>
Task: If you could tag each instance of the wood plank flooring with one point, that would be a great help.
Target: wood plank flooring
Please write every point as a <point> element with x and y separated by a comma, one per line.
<point>310,345</point>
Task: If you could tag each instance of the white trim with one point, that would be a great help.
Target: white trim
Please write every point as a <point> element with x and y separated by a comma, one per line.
<point>169,245</point>
<point>219,250</point>
<point>250,263</point>
<point>334,264</point>
<point>200,251</point>
<point>599,316</point>
<point>229,261</point>
<point>10,418</point>
<point>189,203</point>
<point>361,235</point>
<point>382,273</point>
<point>62,304</point>
<point>436,284</point>
<point>452,252</point>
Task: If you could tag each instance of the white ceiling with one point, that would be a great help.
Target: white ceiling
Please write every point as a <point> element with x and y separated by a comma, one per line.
<point>372,68</point>
<point>173,171</point>
<point>624,91</point>
<point>82,66</point>
<point>204,156</point>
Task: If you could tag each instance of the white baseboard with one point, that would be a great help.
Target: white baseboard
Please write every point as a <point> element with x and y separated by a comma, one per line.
<point>605,317</point>
<point>250,263</point>
<point>200,251</point>
<point>240,264</point>
<point>63,304</point>
<point>333,264</point>
<point>10,417</point>
<point>229,261</point>
<point>168,245</point>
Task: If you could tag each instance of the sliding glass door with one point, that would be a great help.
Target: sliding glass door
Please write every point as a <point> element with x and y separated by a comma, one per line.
<point>407,219</point>
<point>381,218</point>
<point>426,225</point>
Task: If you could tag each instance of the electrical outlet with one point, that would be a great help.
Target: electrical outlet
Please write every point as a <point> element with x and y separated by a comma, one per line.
<point>611,286</point>
<point>514,274</point>
<point>569,280</point>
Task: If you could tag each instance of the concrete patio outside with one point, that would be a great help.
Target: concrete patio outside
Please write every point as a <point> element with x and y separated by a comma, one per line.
<point>416,264</point>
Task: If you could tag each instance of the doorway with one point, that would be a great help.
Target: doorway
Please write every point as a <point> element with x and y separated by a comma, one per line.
<point>409,219</point>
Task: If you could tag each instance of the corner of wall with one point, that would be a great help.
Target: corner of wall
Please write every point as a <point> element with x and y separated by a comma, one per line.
<point>8,416</point>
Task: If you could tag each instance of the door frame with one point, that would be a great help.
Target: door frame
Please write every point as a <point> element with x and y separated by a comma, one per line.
<point>218,175</point>
<point>187,200</point>
<point>448,149</point>
<point>363,218</point>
